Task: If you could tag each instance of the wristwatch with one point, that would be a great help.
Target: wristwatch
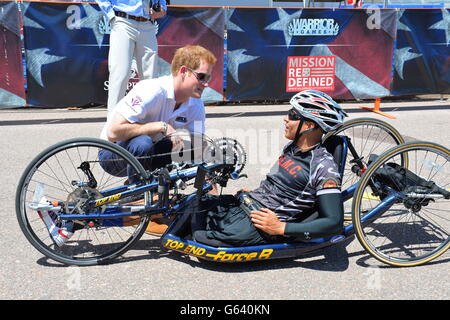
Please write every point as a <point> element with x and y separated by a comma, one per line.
<point>164,130</point>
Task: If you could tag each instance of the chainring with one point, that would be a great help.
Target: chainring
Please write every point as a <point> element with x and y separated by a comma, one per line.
<point>227,150</point>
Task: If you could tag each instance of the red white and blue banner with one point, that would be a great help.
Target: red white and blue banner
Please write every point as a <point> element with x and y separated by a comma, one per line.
<point>422,53</point>
<point>273,53</point>
<point>12,90</point>
<point>66,53</point>
<point>194,26</point>
<point>66,48</point>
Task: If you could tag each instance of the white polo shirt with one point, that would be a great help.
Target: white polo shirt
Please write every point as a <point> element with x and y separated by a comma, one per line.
<point>153,100</point>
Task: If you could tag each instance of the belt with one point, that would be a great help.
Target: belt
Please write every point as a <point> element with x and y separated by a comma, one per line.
<point>128,16</point>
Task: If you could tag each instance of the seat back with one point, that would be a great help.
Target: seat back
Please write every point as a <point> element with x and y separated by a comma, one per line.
<point>337,147</point>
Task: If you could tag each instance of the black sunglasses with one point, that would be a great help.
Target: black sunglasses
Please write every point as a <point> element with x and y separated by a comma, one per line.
<point>202,77</point>
<point>294,115</point>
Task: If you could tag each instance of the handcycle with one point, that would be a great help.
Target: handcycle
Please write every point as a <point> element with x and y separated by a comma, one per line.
<point>399,195</point>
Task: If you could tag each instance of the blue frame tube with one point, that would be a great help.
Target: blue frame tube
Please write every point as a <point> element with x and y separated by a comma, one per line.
<point>268,251</point>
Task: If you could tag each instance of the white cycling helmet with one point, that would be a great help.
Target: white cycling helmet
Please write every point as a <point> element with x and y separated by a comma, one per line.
<point>319,108</point>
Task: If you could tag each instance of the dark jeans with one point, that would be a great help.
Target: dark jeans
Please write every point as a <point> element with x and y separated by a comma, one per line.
<point>143,148</point>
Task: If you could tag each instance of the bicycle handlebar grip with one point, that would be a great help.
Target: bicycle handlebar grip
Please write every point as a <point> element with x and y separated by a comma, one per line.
<point>163,190</point>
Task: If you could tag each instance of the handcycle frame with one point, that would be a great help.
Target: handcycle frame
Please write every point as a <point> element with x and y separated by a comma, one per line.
<point>172,241</point>
<point>261,252</point>
<point>117,204</point>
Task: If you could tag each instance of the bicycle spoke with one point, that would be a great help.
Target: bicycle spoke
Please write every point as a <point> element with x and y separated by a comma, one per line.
<point>61,186</point>
<point>415,229</point>
<point>368,136</point>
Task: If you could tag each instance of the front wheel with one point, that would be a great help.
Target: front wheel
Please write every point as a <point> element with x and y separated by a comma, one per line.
<point>63,179</point>
<point>402,215</point>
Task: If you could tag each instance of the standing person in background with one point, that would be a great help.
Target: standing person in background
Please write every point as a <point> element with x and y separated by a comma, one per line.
<point>133,34</point>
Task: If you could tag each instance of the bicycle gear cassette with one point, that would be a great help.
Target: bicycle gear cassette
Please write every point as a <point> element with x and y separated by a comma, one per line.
<point>78,200</point>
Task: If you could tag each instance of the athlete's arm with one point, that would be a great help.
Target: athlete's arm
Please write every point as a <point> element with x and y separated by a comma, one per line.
<point>329,222</point>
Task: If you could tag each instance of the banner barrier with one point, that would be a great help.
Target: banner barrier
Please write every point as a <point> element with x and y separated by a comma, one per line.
<point>66,53</point>
<point>199,26</point>
<point>12,90</point>
<point>422,53</point>
<point>66,49</point>
<point>270,53</point>
<point>276,52</point>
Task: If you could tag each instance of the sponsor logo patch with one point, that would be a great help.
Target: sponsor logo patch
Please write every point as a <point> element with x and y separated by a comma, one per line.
<point>330,183</point>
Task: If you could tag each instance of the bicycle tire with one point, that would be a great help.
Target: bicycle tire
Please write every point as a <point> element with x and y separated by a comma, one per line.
<point>411,231</point>
<point>365,128</point>
<point>51,172</point>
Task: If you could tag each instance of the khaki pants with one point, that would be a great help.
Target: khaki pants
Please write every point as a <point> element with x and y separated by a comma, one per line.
<point>128,39</point>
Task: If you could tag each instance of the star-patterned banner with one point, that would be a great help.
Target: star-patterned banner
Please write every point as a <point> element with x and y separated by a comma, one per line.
<point>12,91</point>
<point>66,49</point>
<point>66,54</point>
<point>201,26</point>
<point>422,53</point>
<point>67,46</point>
<point>260,42</point>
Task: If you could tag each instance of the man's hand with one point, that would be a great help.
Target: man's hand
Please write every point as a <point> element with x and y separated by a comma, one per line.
<point>157,15</point>
<point>177,141</point>
<point>170,130</point>
<point>267,221</point>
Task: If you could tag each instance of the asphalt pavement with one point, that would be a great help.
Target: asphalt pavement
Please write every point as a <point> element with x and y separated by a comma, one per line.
<point>343,271</point>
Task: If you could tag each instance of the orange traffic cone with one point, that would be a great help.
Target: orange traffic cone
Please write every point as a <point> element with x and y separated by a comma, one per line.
<point>376,108</point>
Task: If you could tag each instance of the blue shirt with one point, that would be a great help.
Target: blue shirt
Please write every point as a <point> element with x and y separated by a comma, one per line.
<point>139,8</point>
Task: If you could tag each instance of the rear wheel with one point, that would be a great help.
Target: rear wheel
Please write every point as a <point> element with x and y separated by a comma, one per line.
<point>366,137</point>
<point>63,179</point>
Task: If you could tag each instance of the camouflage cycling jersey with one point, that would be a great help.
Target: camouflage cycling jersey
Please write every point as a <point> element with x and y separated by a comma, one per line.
<point>296,180</point>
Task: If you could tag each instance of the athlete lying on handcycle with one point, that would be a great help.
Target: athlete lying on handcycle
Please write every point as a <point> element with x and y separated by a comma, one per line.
<point>399,209</point>
<point>304,180</point>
